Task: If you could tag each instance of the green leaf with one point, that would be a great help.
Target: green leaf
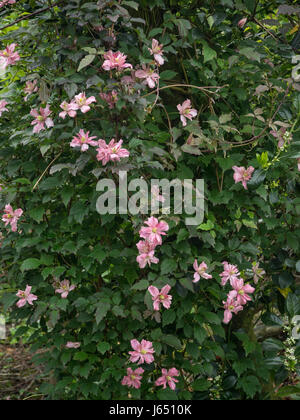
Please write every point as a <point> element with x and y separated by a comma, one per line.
<point>201,385</point>
<point>103,347</point>
<point>37,214</point>
<point>86,61</point>
<point>250,385</point>
<point>168,317</point>
<point>208,53</point>
<point>167,75</point>
<point>168,266</point>
<point>81,356</point>
<point>172,341</point>
<point>141,285</point>
<point>30,264</point>
<point>101,311</point>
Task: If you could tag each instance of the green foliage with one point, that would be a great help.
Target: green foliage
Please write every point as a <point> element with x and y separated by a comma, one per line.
<point>249,92</point>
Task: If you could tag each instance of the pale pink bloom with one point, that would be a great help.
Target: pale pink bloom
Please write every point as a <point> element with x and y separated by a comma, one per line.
<point>186,112</point>
<point>154,231</point>
<point>72,345</point>
<point>157,51</point>
<point>133,378</point>
<point>231,305</point>
<point>3,107</point>
<point>200,271</point>
<point>115,60</point>
<point>41,118</point>
<point>83,102</point>
<point>111,152</point>
<point>160,297</point>
<point>155,194</point>
<point>9,55</point>
<point>31,87</point>
<point>143,352</point>
<point>230,273</point>
<point>151,78</point>
<point>25,297</point>
<point>11,217</point>
<point>65,288</point>
<point>83,141</point>
<point>242,175</point>
<point>145,247</point>
<point>241,292</point>
<point>167,378</point>
<point>5,2</point>
<point>68,109</point>
<point>258,272</point>
<point>110,98</point>
<point>147,258</point>
<point>242,22</point>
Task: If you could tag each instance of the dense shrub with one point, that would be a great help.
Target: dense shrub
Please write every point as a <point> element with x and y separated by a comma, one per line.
<point>233,60</point>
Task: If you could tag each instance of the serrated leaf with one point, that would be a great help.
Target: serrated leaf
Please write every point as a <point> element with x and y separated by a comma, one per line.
<point>30,264</point>
<point>86,61</point>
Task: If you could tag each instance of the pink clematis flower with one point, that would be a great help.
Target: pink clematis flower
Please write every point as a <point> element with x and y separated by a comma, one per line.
<point>167,378</point>
<point>242,175</point>
<point>231,306</point>
<point>83,141</point>
<point>230,273</point>
<point>110,98</point>
<point>68,109</point>
<point>9,56</point>
<point>151,78</point>
<point>241,292</point>
<point>3,107</point>
<point>200,271</point>
<point>111,152</point>
<point>65,288</point>
<point>5,2</point>
<point>83,102</point>
<point>258,272</point>
<point>115,60</point>
<point>30,87</point>
<point>41,118</point>
<point>186,112</point>
<point>242,22</point>
<point>133,378</point>
<point>154,231</point>
<point>157,51</point>
<point>25,297</point>
<point>145,247</point>
<point>72,345</point>
<point>160,297</point>
<point>11,217</point>
<point>147,258</point>
<point>143,352</point>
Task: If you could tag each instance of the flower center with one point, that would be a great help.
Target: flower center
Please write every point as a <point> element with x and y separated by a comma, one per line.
<point>168,378</point>
<point>241,292</point>
<point>144,351</point>
<point>133,377</point>
<point>40,118</point>
<point>154,230</point>
<point>231,308</point>
<point>161,297</point>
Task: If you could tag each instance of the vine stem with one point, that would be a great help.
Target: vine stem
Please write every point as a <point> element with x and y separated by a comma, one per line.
<point>43,174</point>
<point>30,15</point>
<point>203,89</point>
